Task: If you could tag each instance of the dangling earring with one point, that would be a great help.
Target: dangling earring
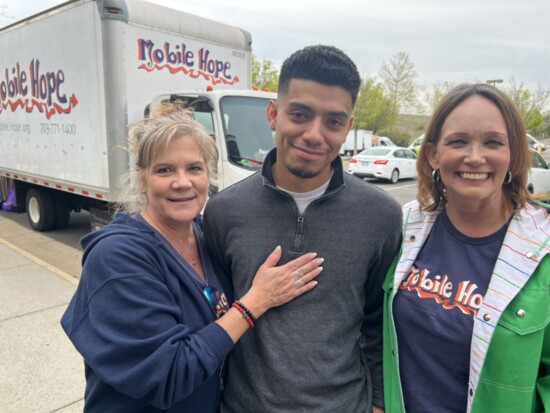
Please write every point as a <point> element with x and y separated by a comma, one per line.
<point>141,198</point>
<point>436,175</point>
<point>508,178</point>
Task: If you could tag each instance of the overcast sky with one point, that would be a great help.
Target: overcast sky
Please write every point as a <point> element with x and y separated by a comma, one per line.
<point>447,40</point>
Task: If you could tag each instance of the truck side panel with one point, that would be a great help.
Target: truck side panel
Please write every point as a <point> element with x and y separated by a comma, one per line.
<point>75,76</point>
<point>356,140</point>
<point>52,125</point>
<point>159,60</point>
<point>149,49</point>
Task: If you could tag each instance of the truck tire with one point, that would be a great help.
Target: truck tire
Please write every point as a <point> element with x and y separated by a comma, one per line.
<point>40,209</point>
<point>62,212</point>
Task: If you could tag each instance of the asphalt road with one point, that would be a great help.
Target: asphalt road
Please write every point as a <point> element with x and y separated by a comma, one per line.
<point>79,225</point>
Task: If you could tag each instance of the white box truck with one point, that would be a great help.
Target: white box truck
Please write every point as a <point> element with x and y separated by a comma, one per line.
<point>73,77</point>
<point>356,141</point>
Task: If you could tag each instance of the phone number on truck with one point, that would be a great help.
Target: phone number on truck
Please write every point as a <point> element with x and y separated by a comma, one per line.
<point>58,128</point>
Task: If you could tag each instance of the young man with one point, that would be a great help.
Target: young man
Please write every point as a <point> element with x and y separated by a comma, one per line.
<point>321,352</point>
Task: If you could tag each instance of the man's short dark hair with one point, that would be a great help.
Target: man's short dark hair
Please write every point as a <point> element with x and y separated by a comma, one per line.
<point>323,64</point>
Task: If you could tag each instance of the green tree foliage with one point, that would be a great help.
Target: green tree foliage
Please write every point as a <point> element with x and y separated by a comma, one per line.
<point>439,90</point>
<point>374,110</point>
<point>530,104</point>
<point>264,74</point>
<point>398,76</point>
<point>380,104</point>
<point>543,131</point>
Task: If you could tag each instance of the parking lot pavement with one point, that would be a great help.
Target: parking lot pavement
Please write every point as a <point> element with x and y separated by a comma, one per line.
<point>40,370</point>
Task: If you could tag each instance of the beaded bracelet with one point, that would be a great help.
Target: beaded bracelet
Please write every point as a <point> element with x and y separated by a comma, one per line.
<point>244,313</point>
<point>247,311</point>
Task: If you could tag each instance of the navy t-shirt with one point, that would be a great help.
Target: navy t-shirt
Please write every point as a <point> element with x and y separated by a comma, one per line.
<point>434,311</point>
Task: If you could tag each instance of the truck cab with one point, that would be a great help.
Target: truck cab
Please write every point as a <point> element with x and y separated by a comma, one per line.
<point>237,121</point>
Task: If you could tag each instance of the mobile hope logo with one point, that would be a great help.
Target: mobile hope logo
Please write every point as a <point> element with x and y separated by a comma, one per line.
<point>179,58</point>
<point>35,89</point>
<point>463,296</point>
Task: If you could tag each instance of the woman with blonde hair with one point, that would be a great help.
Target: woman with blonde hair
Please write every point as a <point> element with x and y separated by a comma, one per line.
<point>151,315</point>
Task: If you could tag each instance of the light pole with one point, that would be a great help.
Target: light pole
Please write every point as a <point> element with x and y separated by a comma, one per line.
<point>494,81</point>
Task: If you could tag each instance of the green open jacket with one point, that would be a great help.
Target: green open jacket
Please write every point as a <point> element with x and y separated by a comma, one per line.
<point>510,354</point>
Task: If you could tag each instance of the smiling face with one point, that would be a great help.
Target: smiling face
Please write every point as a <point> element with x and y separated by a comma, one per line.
<point>311,121</point>
<point>472,154</point>
<point>176,184</point>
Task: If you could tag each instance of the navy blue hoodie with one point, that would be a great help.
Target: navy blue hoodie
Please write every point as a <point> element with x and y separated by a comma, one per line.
<point>141,322</point>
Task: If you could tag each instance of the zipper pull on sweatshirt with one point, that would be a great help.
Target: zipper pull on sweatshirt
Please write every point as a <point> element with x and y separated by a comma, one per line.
<point>300,225</point>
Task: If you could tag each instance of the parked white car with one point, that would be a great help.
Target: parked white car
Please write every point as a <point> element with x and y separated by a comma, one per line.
<point>390,163</point>
<point>535,144</point>
<point>538,180</point>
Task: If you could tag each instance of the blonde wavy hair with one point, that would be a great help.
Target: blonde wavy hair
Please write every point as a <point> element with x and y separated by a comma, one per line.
<point>150,137</point>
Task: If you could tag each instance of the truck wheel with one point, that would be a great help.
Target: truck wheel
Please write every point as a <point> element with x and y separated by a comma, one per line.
<point>62,212</point>
<point>394,176</point>
<point>40,209</point>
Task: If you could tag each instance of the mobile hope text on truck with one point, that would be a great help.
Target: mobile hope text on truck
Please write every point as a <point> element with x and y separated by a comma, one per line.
<point>73,77</point>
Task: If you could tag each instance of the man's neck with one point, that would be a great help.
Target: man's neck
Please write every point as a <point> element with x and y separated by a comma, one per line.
<point>286,180</point>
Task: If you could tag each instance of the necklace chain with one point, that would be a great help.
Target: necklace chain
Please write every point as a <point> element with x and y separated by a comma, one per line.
<point>192,257</point>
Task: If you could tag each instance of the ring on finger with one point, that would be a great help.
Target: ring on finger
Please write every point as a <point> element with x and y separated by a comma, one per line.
<point>297,273</point>
<point>298,283</point>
